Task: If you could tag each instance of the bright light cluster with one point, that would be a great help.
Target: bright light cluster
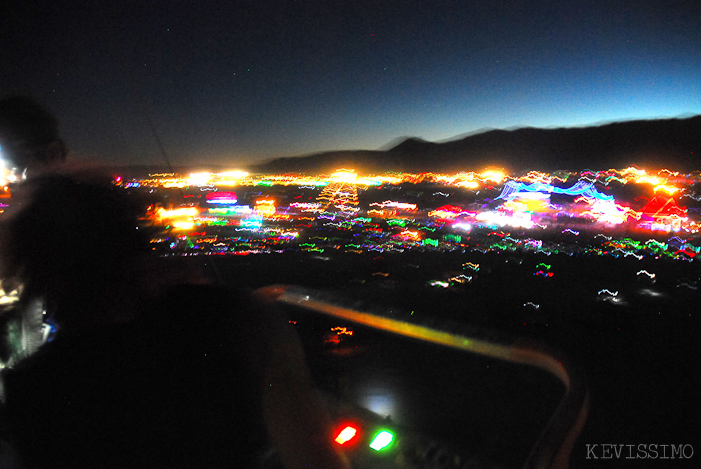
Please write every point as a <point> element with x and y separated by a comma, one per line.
<point>247,213</point>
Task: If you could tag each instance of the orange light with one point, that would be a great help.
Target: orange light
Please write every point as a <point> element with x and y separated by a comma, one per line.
<point>346,176</point>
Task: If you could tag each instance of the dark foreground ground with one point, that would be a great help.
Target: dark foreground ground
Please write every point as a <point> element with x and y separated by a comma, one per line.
<point>639,349</point>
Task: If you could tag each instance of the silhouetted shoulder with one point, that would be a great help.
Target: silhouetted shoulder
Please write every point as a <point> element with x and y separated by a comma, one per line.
<point>180,384</point>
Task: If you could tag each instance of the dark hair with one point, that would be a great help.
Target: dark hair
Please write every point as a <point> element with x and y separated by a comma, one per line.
<point>26,130</point>
<point>71,241</point>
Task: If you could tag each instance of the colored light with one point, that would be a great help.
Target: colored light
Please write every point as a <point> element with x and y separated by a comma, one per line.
<point>221,197</point>
<point>184,225</point>
<point>344,176</point>
<point>178,212</point>
<point>382,440</point>
<point>347,434</point>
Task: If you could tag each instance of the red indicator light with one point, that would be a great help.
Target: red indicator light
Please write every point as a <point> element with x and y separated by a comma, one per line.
<point>347,434</point>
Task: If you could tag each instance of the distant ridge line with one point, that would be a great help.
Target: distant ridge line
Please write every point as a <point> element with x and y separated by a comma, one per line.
<point>674,144</point>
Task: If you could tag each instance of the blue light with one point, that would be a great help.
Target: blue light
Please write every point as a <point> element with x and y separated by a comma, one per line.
<point>513,189</point>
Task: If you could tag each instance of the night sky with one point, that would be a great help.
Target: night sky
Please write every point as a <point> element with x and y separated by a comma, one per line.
<point>236,82</point>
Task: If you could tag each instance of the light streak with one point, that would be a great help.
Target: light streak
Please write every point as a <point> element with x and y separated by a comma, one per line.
<point>543,273</point>
<point>493,175</point>
<point>347,177</point>
<point>668,189</point>
<point>222,198</point>
<point>397,205</point>
<point>462,226</point>
<point>234,210</point>
<point>462,278</point>
<point>518,220</point>
<point>233,175</point>
<point>514,189</point>
<point>199,179</point>
<point>438,283</point>
<point>176,213</point>
<point>183,225</point>
<point>409,235</point>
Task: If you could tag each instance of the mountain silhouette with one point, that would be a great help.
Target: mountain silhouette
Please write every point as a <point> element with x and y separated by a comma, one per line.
<point>673,144</point>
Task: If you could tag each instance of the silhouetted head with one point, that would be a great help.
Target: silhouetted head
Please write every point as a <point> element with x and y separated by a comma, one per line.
<point>29,134</point>
<point>77,244</point>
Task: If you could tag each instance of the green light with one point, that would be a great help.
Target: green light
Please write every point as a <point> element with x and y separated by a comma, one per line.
<point>382,440</point>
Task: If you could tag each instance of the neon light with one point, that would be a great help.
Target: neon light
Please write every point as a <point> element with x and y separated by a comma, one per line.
<point>543,273</point>
<point>228,198</point>
<point>199,179</point>
<point>430,242</point>
<point>438,283</point>
<point>252,223</point>
<point>513,189</point>
<point>397,205</point>
<point>668,189</point>
<point>409,235</point>
<point>184,225</point>
<point>347,434</point>
<point>462,226</point>
<point>348,177</point>
<point>234,174</point>
<point>235,210</point>
<point>519,219</point>
<point>178,212</point>
<point>494,176</point>
<point>462,278</point>
<point>453,238</point>
<point>382,440</point>
<point>395,222</point>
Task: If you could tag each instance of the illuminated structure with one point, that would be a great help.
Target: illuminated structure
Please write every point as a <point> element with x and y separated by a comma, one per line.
<point>222,198</point>
<point>341,195</point>
<point>663,213</point>
<point>514,189</point>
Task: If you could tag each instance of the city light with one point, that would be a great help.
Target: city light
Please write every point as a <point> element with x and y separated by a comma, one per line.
<point>347,177</point>
<point>275,213</point>
<point>222,198</point>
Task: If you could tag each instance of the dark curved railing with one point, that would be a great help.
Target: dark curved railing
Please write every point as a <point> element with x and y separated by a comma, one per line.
<point>554,446</point>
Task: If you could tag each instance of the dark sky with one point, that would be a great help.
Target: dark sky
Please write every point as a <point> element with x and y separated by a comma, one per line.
<point>233,82</point>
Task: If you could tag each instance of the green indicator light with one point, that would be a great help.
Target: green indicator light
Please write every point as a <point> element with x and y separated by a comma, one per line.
<point>382,440</point>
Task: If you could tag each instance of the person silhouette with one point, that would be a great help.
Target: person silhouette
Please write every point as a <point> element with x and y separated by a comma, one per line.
<point>30,144</point>
<point>148,367</point>
<point>143,372</point>
<point>29,136</point>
